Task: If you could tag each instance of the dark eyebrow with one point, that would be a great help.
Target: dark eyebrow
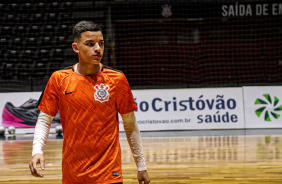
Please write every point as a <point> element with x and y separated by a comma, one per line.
<point>93,41</point>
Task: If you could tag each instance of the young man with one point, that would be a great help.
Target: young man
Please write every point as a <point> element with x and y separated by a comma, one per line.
<point>89,96</point>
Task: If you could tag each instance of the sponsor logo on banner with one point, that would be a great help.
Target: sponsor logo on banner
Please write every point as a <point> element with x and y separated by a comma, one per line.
<point>189,109</point>
<point>263,106</point>
<point>218,104</point>
<point>274,109</point>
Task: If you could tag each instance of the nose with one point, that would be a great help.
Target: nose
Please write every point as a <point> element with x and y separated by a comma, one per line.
<point>97,48</point>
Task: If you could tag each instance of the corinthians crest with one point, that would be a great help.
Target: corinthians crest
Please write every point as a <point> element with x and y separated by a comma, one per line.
<point>166,12</point>
<point>102,94</point>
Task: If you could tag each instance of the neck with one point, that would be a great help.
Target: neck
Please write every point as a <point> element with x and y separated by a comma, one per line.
<point>87,69</point>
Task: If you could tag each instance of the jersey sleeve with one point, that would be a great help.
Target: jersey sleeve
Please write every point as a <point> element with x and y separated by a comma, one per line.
<point>125,100</point>
<point>49,99</point>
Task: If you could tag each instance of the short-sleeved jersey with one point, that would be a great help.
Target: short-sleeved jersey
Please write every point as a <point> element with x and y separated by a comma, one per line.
<point>89,107</point>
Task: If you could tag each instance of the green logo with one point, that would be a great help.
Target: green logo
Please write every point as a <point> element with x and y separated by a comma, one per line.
<point>270,103</point>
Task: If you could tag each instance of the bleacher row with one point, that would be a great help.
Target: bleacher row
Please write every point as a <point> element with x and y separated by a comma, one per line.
<point>33,38</point>
<point>36,35</point>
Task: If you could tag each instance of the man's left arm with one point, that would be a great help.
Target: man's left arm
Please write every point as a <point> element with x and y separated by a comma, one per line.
<point>134,140</point>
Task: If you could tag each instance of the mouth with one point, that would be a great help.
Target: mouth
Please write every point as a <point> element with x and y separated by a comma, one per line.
<point>97,56</point>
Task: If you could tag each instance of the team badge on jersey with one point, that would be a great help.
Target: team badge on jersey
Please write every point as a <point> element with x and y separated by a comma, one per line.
<point>102,94</point>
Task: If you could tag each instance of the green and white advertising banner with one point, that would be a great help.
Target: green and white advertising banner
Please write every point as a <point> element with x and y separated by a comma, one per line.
<point>263,106</point>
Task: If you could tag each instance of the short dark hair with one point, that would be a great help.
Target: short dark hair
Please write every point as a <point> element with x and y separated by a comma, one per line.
<point>83,26</point>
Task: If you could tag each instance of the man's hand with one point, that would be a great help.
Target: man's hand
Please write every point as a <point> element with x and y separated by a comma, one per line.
<point>143,176</point>
<point>37,159</point>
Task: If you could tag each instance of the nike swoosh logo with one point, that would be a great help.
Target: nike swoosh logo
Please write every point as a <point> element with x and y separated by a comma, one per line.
<point>67,93</point>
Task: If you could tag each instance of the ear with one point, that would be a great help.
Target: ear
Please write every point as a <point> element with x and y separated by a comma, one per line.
<point>74,47</point>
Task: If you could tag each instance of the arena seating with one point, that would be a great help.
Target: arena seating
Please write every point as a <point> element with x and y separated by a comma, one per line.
<point>34,37</point>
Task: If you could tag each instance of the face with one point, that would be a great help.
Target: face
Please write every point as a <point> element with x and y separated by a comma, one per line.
<point>90,47</point>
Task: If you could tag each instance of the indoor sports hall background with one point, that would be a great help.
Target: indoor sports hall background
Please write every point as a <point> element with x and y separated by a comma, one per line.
<point>158,44</point>
<point>206,76</point>
<point>211,64</point>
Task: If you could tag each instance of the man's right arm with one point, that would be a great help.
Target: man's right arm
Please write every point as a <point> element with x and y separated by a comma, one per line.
<point>41,134</point>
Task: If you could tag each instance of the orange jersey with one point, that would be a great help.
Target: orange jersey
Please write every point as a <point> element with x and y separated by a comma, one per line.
<point>89,107</point>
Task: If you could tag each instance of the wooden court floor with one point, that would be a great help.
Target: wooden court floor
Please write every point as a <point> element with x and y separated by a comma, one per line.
<point>170,160</point>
